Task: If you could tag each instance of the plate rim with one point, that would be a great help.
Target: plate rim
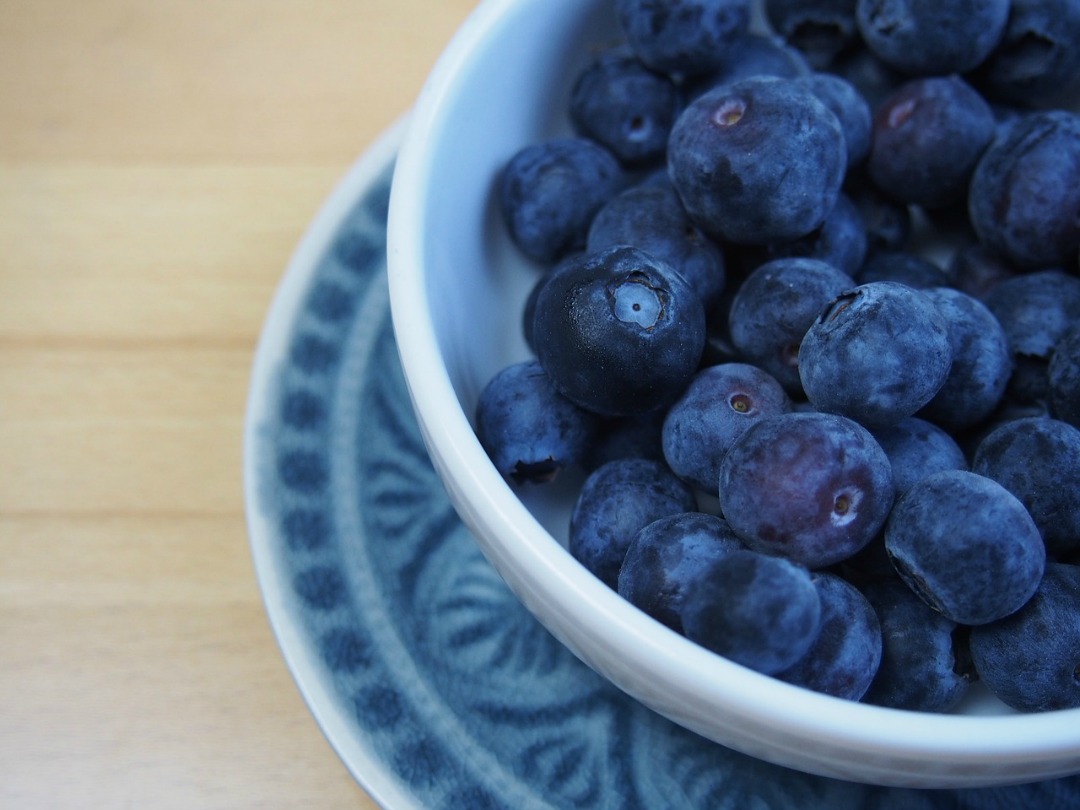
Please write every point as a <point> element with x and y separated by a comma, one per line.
<point>369,771</point>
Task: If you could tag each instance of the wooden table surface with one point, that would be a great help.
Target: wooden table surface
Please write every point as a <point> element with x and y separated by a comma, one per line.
<point>159,160</point>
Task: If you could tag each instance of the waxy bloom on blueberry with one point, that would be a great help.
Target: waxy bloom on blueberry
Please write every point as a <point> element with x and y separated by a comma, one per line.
<point>812,487</point>
<point>877,354</point>
<point>758,161</point>
<point>966,546</point>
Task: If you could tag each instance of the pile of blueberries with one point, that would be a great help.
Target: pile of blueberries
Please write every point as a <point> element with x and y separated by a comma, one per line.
<point>807,318</point>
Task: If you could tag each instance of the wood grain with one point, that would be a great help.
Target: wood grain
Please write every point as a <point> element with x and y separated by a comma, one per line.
<point>159,160</point>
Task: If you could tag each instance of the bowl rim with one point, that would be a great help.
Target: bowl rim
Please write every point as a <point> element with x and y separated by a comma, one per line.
<point>542,567</point>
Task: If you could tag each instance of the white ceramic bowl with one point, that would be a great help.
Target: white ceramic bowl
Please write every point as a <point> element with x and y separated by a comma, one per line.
<point>457,287</point>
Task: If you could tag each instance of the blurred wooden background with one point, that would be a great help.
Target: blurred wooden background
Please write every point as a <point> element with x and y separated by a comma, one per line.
<point>159,160</point>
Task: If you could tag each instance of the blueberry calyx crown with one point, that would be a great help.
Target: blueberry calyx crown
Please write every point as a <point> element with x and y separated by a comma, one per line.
<point>635,299</point>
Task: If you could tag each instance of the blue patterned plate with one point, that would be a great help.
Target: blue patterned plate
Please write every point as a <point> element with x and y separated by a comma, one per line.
<point>434,685</point>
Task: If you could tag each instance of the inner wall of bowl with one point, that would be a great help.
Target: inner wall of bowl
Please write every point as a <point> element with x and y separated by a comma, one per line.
<point>477,279</point>
<point>488,104</point>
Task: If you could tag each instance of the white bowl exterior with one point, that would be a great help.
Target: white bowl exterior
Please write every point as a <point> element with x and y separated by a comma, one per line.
<point>457,287</point>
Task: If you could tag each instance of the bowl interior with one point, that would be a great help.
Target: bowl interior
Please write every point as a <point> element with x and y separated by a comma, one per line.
<point>458,286</point>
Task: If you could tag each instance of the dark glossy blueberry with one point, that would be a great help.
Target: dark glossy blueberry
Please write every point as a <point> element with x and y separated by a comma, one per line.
<point>652,217</point>
<point>682,37</point>
<point>925,664</point>
<point>928,37</point>
<point>1031,660</point>
<point>550,191</point>
<point>624,106</point>
<point>845,657</point>
<point>902,267</point>
<point>715,160</point>
<point>619,331</point>
<point>927,138</point>
<point>982,362</point>
<point>528,429</point>
<point>975,269</point>
<point>1038,460</point>
<point>666,556</point>
<point>1038,58</point>
<point>1063,378</point>
<point>719,405</point>
<point>966,546</point>
<point>887,221</point>
<point>850,108</point>
<point>616,501</point>
<point>635,436</point>
<point>917,448</point>
<point>812,487</point>
<point>773,308</point>
<point>877,353</point>
<point>821,31</point>
<point>841,240</point>
<point>759,611</point>
<point>1022,201</point>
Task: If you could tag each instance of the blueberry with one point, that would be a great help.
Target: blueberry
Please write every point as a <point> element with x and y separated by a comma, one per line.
<point>966,546</point>
<point>651,217</point>
<point>717,407</point>
<point>616,501</point>
<point>927,138</point>
<point>1063,378</point>
<point>925,663</point>
<point>877,353</point>
<point>619,331</point>
<point>811,487</point>
<point>821,31</point>
<point>850,108</point>
<point>1038,460</point>
<point>668,554</point>
<point>928,37</point>
<point>1022,201</point>
<point>841,240</point>
<point>682,37</point>
<point>1038,58</point>
<point>1031,659</point>
<point>773,308</point>
<point>757,161</point>
<point>624,106</point>
<point>903,267</point>
<point>550,191</point>
<point>845,657</point>
<point>759,611</point>
<point>917,448</point>
<point>529,430</point>
<point>982,362</point>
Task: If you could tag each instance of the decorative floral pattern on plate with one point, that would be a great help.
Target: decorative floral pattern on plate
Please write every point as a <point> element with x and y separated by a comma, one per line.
<point>458,695</point>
